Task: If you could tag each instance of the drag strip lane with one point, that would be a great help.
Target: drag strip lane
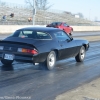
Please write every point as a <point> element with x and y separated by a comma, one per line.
<point>22,79</point>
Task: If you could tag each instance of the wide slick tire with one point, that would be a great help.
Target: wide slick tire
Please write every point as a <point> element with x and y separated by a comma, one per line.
<point>49,64</point>
<point>51,60</point>
<point>81,55</point>
<point>6,62</point>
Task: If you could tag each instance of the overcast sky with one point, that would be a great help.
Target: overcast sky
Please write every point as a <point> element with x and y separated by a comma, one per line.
<point>89,8</point>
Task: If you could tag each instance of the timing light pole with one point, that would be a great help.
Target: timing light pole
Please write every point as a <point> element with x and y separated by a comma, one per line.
<point>34,12</point>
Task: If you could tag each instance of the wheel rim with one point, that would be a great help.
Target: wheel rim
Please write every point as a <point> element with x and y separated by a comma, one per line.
<point>51,60</point>
<point>82,54</point>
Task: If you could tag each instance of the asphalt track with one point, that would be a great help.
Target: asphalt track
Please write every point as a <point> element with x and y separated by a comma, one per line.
<point>23,81</point>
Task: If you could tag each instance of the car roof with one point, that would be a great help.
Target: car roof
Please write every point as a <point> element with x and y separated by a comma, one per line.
<point>57,22</point>
<point>45,29</point>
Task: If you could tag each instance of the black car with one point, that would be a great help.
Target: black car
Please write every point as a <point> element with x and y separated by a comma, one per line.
<point>41,45</point>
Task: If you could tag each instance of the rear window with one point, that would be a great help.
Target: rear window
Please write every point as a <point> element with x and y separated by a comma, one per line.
<point>56,23</point>
<point>31,34</point>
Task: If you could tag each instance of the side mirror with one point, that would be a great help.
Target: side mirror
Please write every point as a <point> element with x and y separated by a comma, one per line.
<point>68,40</point>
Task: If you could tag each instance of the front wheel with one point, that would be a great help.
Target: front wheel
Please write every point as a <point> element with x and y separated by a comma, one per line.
<point>81,55</point>
<point>6,62</point>
<point>50,61</point>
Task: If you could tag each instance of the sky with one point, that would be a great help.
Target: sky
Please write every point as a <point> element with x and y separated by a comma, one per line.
<point>89,8</point>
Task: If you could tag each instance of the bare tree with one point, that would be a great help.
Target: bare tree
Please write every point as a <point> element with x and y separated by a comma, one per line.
<point>40,4</point>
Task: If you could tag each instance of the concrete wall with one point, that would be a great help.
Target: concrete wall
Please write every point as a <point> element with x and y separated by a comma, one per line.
<point>11,28</point>
<point>86,28</point>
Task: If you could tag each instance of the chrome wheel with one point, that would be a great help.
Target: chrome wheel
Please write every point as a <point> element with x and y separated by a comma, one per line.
<point>51,60</point>
<point>81,55</point>
<point>49,63</point>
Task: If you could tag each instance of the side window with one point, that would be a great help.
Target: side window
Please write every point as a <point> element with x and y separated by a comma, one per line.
<point>61,36</point>
<point>32,34</point>
<point>65,24</point>
<point>24,34</point>
<point>42,35</point>
<point>56,23</point>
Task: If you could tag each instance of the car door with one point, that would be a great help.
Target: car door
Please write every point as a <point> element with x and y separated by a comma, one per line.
<point>66,28</point>
<point>68,46</point>
<point>61,46</point>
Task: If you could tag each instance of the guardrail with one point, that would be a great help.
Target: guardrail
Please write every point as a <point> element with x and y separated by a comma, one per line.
<point>4,29</point>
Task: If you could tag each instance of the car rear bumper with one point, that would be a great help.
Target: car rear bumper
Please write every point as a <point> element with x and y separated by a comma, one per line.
<point>21,58</point>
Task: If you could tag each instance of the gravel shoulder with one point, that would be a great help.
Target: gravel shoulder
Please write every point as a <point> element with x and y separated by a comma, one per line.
<point>89,91</point>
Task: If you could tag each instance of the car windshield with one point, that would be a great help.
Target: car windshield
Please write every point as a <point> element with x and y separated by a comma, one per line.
<point>31,34</point>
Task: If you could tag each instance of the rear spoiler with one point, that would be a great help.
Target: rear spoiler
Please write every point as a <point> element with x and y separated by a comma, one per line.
<point>15,43</point>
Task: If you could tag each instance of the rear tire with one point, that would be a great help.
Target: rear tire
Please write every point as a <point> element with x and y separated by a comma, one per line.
<point>50,61</point>
<point>81,55</point>
<point>6,62</point>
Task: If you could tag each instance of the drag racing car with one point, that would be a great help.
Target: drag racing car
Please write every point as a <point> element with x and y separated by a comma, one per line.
<point>41,45</point>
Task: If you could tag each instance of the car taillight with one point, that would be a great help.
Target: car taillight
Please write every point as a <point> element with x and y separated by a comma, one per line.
<point>31,51</point>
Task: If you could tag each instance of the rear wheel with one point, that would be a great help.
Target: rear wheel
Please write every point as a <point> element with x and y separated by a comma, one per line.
<point>81,55</point>
<point>6,62</point>
<point>50,61</point>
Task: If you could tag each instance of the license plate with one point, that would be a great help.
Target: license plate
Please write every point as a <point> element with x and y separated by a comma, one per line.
<point>8,56</point>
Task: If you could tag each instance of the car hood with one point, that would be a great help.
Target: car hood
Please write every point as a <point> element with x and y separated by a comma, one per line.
<point>81,41</point>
